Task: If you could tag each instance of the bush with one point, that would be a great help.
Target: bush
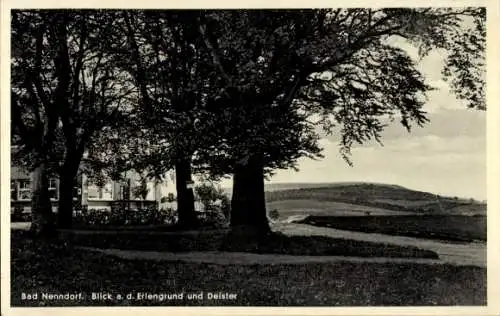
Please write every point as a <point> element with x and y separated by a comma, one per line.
<point>213,219</point>
<point>18,214</point>
<point>216,204</point>
<point>209,195</point>
<point>122,216</point>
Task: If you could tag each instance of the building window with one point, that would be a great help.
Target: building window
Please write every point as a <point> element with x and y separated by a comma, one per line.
<point>24,191</point>
<point>103,193</point>
<point>53,189</point>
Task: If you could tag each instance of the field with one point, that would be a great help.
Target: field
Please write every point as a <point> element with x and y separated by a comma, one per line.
<point>288,208</point>
<point>442,227</point>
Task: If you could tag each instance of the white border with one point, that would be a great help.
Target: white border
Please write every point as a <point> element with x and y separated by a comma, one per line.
<point>493,161</point>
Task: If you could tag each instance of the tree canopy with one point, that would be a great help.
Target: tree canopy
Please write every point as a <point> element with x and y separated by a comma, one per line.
<point>339,65</point>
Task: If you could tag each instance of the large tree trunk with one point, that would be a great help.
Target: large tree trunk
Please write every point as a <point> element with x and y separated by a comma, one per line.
<point>65,209</point>
<point>185,195</point>
<point>248,204</point>
<point>67,180</point>
<point>42,218</point>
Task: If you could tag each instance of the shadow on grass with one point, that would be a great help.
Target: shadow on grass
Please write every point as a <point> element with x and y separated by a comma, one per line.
<point>221,240</point>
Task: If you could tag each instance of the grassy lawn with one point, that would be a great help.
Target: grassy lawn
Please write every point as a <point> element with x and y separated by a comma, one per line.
<point>442,227</point>
<point>42,268</point>
<point>275,243</point>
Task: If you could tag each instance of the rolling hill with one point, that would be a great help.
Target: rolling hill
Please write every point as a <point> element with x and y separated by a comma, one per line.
<point>348,199</point>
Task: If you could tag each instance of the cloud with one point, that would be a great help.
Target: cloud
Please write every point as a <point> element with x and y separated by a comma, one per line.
<point>433,145</point>
<point>446,124</point>
<point>451,166</point>
<point>462,123</point>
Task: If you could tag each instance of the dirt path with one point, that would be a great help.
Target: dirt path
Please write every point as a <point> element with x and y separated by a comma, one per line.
<point>458,254</point>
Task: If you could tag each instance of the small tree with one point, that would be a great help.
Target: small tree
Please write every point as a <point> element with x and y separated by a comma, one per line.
<point>209,194</point>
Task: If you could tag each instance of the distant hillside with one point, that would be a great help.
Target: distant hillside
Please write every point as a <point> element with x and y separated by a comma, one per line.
<point>381,196</point>
<point>310,185</point>
<point>284,186</point>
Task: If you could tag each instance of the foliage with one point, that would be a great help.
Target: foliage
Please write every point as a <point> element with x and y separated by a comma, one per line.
<point>141,190</point>
<point>253,80</point>
<point>263,73</point>
<point>336,64</point>
<point>34,118</point>
<point>214,218</point>
<point>121,216</point>
<point>161,52</point>
<point>216,204</point>
<point>124,217</point>
<point>465,64</point>
<point>76,87</point>
<point>209,194</point>
<point>19,215</point>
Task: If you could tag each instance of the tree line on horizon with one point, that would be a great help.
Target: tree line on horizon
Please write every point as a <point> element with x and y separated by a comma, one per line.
<point>219,92</point>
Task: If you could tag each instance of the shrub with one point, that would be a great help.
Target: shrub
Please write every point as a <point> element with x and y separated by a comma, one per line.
<point>216,204</point>
<point>206,193</point>
<point>274,214</point>
<point>213,219</point>
<point>122,217</point>
<point>18,215</point>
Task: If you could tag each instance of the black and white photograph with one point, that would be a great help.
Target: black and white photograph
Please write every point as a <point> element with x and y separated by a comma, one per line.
<point>329,157</point>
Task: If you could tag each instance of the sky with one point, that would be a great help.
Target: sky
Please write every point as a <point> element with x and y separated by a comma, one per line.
<point>447,156</point>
